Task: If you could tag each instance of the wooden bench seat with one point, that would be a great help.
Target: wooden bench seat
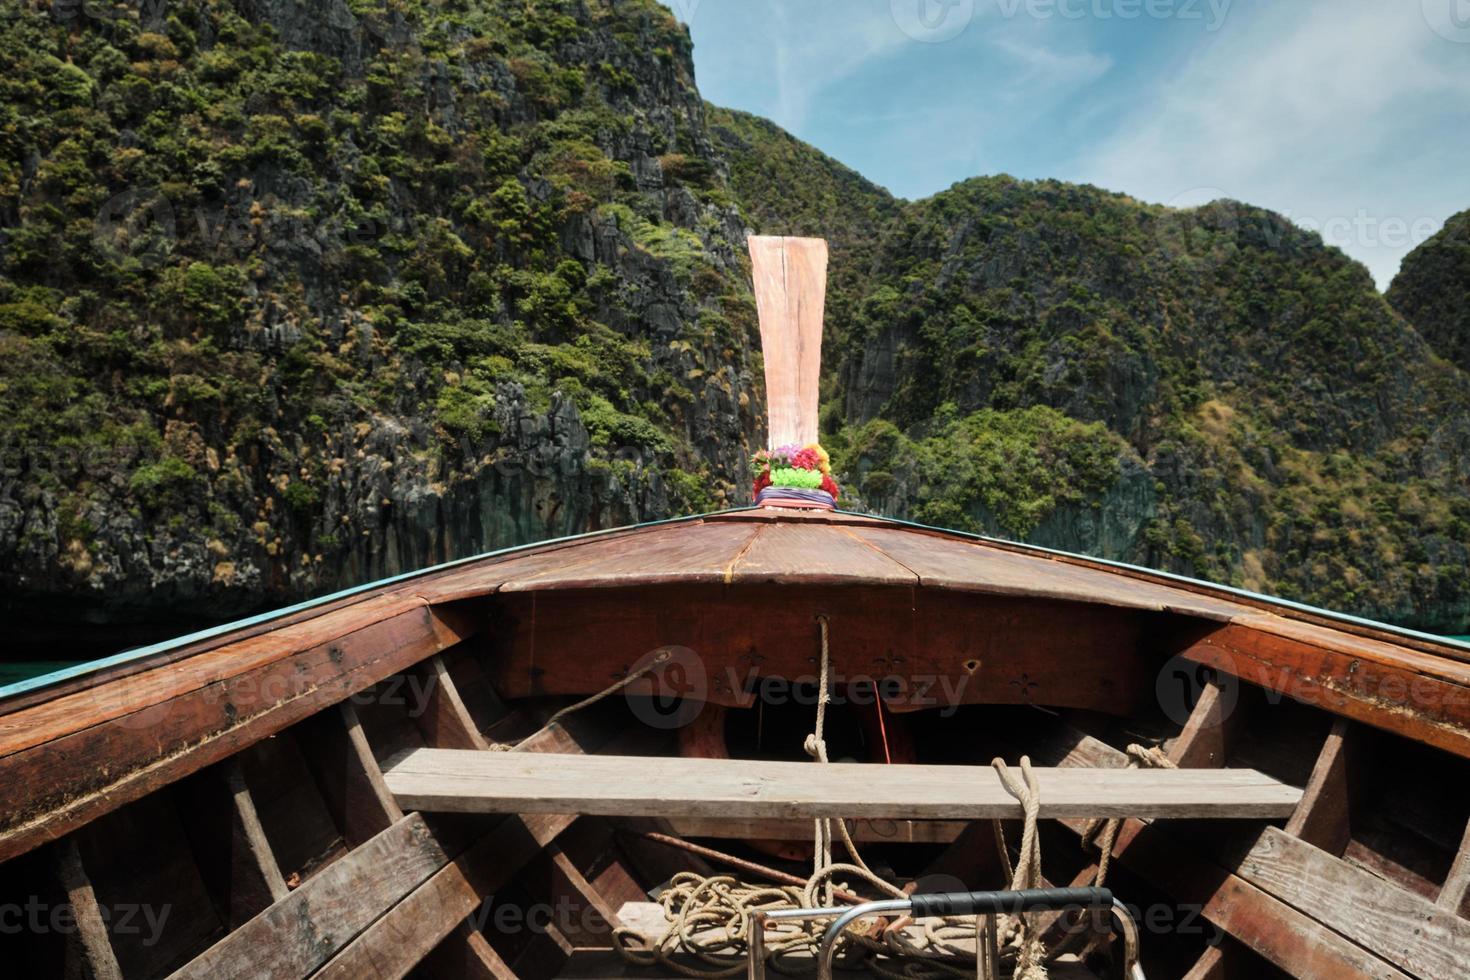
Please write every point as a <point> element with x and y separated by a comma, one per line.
<point>466,781</point>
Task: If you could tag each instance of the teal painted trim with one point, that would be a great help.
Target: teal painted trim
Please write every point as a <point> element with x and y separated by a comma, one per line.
<point>1462,643</point>
<point>139,653</point>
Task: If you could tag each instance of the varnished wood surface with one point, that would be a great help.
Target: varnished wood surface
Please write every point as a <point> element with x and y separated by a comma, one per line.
<point>1015,625</point>
<point>90,752</point>
<point>932,650</point>
<point>1406,692</point>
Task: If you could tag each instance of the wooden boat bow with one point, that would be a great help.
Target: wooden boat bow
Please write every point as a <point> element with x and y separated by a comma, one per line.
<point>325,791</point>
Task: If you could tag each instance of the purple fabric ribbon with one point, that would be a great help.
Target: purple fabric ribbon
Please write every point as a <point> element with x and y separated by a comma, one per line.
<point>816,498</point>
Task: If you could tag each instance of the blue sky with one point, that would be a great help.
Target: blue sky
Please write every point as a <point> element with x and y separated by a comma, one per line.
<point>1352,117</point>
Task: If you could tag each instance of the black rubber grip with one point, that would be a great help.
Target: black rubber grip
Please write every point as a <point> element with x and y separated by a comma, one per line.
<point>1010,903</point>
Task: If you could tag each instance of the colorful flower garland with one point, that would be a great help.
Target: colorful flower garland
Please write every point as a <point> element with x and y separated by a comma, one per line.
<point>794,475</point>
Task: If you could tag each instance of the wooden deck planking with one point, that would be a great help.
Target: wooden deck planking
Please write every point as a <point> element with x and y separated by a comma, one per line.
<point>296,935</point>
<point>700,552</point>
<point>484,576</point>
<point>944,562</point>
<point>459,781</point>
<point>814,554</point>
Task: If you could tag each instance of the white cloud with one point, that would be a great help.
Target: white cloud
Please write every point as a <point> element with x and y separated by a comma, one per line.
<point>806,48</point>
<point>1047,67</point>
<point>1327,112</point>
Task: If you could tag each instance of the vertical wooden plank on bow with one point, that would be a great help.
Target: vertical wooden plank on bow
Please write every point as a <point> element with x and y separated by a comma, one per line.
<point>790,278</point>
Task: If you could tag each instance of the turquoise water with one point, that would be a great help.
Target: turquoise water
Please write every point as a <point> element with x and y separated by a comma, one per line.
<point>10,673</point>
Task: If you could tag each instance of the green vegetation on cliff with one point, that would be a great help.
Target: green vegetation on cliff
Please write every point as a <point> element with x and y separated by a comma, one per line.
<point>1275,424</point>
<point>296,295</point>
<point>1432,290</point>
<point>1213,392</point>
<point>292,295</point>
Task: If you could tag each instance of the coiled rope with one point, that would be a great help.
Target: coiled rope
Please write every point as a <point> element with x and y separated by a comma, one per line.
<point>709,916</point>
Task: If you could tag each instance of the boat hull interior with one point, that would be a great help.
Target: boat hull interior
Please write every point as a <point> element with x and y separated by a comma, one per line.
<point>228,807</point>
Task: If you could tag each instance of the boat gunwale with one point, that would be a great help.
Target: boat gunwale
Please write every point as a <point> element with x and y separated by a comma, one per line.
<point>21,694</point>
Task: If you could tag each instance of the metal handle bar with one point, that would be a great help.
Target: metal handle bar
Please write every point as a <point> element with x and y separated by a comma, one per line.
<point>1010,902</point>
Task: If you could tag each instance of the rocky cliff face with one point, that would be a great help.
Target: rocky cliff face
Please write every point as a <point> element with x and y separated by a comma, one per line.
<point>1272,422</point>
<point>1432,291</point>
<point>296,294</point>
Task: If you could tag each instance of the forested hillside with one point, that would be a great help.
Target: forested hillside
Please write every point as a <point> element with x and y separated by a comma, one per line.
<point>295,295</point>
<point>1432,290</point>
<point>300,295</point>
<point>1212,392</point>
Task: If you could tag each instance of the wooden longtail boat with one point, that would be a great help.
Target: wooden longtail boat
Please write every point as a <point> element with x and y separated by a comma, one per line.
<point>318,792</point>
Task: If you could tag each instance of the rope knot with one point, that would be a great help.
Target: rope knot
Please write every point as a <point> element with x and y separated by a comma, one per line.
<point>814,747</point>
